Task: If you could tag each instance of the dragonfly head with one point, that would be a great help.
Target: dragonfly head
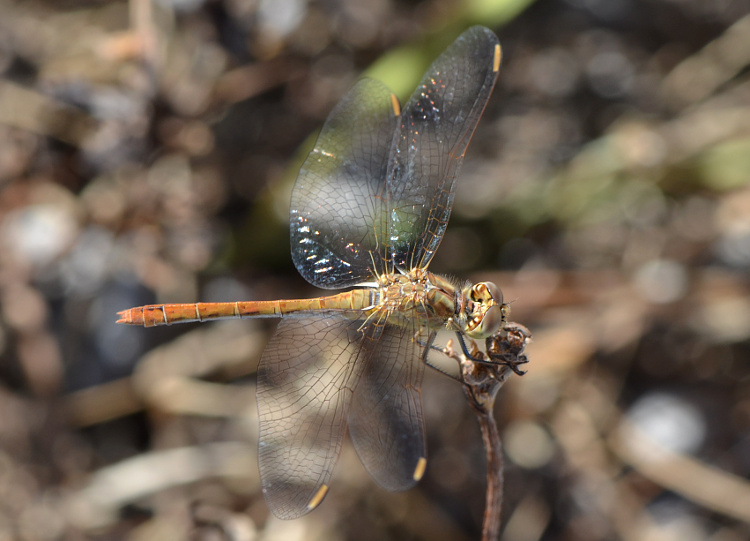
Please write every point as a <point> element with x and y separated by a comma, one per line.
<point>485,310</point>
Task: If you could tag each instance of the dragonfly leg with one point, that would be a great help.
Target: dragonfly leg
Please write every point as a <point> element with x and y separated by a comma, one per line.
<point>511,363</point>
<point>475,356</point>
<point>429,345</point>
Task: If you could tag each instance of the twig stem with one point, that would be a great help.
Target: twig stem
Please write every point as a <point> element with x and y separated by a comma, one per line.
<point>494,495</point>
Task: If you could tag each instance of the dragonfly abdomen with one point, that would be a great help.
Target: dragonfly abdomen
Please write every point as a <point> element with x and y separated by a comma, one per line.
<point>154,315</point>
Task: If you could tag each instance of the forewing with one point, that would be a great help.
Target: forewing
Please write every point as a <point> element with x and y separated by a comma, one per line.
<point>385,418</point>
<point>306,378</point>
<point>436,126</point>
<point>338,214</point>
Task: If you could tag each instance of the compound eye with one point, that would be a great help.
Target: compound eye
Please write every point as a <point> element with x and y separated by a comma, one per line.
<point>494,292</point>
<point>485,292</point>
<point>477,292</point>
<point>486,324</point>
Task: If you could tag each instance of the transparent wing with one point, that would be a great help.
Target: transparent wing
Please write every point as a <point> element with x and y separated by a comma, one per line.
<point>306,378</point>
<point>385,417</point>
<point>377,191</point>
<point>436,126</point>
<point>316,375</point>
<point>338,215</point>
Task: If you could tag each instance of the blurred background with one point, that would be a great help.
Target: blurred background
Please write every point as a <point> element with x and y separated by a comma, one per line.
<point>147,153</point>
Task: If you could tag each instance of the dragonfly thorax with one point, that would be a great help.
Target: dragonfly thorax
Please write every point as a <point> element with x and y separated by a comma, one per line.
<point>477,311</point>
<point>433,297</point>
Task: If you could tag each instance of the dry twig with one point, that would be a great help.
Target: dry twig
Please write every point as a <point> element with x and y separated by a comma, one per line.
<point>482,375</point>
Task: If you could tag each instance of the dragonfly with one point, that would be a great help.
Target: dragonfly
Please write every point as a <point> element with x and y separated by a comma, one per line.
<point>369,208</point>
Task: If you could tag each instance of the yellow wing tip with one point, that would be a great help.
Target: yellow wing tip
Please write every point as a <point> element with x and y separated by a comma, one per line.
<point>498,57</point>
<point>395,105</point>
<point>319,495</point>
<point>421,467</point>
